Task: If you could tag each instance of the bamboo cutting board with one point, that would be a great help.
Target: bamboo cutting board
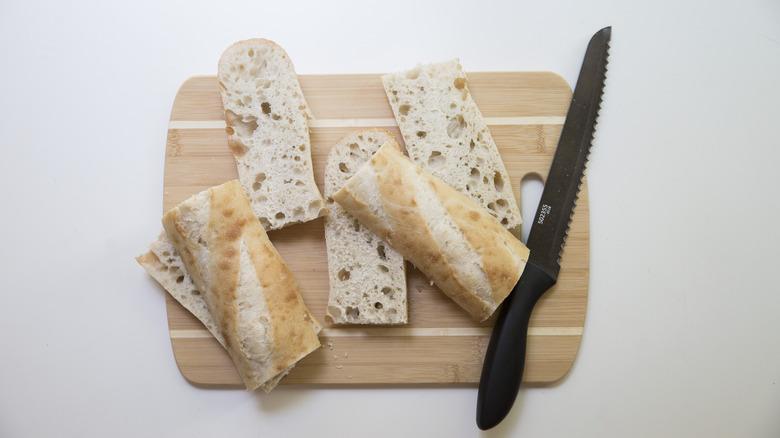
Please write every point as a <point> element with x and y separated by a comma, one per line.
<point>441,344</point>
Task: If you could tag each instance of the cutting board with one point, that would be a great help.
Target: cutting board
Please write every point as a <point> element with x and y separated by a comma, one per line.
<point>441,344</point>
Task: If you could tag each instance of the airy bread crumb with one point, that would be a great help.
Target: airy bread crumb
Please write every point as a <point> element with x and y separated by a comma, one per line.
<point>367,277</point>
<point>268,134</point>
<point>446,135</point>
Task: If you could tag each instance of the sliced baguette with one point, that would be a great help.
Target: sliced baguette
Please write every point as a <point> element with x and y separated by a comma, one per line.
<point>249,291</point>
<point>266,116</point>
<point>446,135</point>
<point>367,277</point>
<point>461,248</point>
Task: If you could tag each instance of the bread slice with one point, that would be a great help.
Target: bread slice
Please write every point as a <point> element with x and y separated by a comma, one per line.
<point>165,265</point>
<point>446,135</point>
<point>249,291</point>
<point>461,248</point>
<point>367,277</point>
<point>268,133</point>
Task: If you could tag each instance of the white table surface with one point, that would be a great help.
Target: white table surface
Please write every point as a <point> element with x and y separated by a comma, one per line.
<point>682,335</point>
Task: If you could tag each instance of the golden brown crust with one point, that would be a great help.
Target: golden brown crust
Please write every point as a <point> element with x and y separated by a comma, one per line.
<point>148,258</point>
<point>412,234</point>
<point>495,246</point>
<point>290,331</point>
<point>405,227</point>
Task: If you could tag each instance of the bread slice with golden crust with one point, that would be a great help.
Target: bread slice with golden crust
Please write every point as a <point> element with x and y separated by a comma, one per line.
<point>268,133</point>
<point>446,135</point>
<point>367,277</point>
<point>461,248</point>
<point>249,290</point>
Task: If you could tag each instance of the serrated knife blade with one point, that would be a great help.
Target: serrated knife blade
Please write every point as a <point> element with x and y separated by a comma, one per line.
<point>502,369</point>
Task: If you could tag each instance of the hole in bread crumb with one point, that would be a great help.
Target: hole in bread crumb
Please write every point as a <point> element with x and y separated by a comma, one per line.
<point>404,109</point>
<point>504,221</point>
<point>353,312</point>
<point>474,174</point>
<point>259,178</point>
<point>166,253</point>
<point>343,275</point>
<point>455,128</point>
<point>251,52</point>
<point>378,305</point>
<point>491,206</point>
<point>436,159</point>
<point>279,215</point>
<point>498,182</point>
<point>180,279</point>
<point>266,107</point>
<point>343,167</point>
<point>388,292</point>
<point>194,292</point>
<point>380,249</point>
<point>421,134</point>
<point>383,268</point>
<point>276,116</point>
<point>472,144</point>
<point>502,204</point>
<point>298,211</point>
<point>241,126</point>
<point>356,225</point>
<point>459,83</point>
<point>316,208</point>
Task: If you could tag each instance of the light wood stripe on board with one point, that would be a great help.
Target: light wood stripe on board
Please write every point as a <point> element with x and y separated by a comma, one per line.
<point>369,123</point>
<point>405,332</point>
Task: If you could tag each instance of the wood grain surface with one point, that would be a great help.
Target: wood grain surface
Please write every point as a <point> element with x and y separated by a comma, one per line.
<point>441,344</point>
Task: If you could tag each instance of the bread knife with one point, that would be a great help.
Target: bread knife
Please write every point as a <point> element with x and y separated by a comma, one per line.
<point>502,370</point>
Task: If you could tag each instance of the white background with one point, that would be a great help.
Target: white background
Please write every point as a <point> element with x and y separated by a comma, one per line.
<point>682,335</point>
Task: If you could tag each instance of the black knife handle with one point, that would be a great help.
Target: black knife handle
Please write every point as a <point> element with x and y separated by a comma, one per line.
<point>502,370</point>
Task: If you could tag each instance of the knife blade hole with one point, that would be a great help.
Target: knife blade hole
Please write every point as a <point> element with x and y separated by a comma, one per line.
<point>531,187</point>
